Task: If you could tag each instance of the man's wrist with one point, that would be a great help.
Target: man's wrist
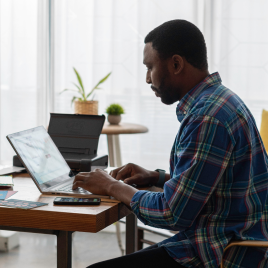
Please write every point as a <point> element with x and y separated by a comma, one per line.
<point>121,191</point>
<point>112,187</point>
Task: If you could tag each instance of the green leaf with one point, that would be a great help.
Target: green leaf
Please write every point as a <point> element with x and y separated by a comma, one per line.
<point>68,90</point>
<point>73,99</point>
<point>115,109</point>
<point>89,93</point>
<point>100,82</point>
<point>105,78</point>
<point>80,81</point>
<point>79,89</point>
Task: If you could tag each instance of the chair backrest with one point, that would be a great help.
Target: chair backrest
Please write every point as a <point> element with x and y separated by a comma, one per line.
<point>249,243</point>
<point>264,128</point>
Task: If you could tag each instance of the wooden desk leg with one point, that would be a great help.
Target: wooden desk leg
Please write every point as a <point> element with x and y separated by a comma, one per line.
<point>131,233</point>
<point>64,249</point>
<point>114,150</point>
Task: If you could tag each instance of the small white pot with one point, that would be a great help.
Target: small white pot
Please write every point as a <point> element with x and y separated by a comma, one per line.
<point>114,119</point>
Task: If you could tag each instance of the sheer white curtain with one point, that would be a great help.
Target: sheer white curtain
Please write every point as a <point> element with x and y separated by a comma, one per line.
<point>99,36</point>
<point>23,91</point>
<point>239,49</point>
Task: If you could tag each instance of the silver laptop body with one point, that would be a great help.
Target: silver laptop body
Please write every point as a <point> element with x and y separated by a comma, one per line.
<point>44,162</point>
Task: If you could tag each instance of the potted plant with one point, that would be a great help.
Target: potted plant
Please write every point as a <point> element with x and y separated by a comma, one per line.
<point>114,112</point>
<point>82,104</point>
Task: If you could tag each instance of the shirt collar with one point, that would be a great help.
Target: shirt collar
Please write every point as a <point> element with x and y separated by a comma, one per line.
<point>187,101</point>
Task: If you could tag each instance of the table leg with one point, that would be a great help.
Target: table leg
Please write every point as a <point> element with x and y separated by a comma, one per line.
<point>64,249</point>
<point>119,240</point>
<point>114,150</point>
<point>115,161</point>
<point>131,233</point>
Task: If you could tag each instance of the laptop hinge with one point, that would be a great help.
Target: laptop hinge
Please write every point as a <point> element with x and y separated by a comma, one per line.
<point>74,150</point>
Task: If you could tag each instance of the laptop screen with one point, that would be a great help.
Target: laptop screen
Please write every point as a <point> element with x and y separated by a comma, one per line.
<point>40,155</point>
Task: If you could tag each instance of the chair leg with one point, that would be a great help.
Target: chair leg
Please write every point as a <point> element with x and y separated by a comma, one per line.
<point>140,238</point>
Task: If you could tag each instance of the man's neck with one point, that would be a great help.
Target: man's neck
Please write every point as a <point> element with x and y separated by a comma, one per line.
<point>193,78</point>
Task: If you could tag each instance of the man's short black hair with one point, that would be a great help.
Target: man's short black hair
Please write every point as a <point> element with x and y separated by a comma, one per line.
<point>179,37</point>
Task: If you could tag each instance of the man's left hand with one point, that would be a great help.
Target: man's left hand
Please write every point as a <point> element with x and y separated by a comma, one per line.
<point>96,181</point>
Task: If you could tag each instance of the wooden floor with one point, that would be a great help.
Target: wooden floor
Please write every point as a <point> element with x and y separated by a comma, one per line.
<point>39,251</point>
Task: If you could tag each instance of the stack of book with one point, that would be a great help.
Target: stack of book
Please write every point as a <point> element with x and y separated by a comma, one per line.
<point>6,181</point>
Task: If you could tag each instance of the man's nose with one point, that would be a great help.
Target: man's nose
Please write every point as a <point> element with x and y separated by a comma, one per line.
<point>148,78</point>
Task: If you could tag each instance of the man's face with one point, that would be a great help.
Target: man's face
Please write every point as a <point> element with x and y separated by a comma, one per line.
<point>158,75</point>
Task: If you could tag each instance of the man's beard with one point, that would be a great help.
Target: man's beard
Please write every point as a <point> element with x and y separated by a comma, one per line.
<point>164,92</point>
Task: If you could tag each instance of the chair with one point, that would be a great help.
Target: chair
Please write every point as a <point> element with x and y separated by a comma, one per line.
<point>142,227</point>
<point>264,128</point>
<point>249,243</point>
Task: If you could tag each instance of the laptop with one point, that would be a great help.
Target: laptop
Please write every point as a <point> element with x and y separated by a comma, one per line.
<point>45,164</point>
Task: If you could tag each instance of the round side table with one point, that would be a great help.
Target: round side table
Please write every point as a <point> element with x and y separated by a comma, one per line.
<point>113,132</point>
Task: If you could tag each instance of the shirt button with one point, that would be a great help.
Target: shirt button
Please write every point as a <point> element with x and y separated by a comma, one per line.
<point>185,112</point>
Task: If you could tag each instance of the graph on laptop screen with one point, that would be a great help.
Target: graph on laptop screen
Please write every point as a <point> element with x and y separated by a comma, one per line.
<point>40,155</point>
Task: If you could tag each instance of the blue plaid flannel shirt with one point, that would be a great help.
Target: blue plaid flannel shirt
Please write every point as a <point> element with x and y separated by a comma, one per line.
<point>218,184</point>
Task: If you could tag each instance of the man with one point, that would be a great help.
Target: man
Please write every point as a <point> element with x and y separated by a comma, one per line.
<point>217,187</point>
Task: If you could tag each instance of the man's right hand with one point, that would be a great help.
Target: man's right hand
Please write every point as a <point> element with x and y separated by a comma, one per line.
<point>134,174</point>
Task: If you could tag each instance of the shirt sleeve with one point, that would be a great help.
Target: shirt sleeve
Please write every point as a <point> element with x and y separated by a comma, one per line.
<point>202,152</point>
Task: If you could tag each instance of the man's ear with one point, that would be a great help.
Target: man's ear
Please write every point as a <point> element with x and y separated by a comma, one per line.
<point>178,64</point>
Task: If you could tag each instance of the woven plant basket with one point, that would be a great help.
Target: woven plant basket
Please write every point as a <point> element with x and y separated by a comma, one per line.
<point>86,107</point>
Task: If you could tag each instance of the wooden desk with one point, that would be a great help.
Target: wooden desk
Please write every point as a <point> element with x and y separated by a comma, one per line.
<point>112,132</point>
<point>62,221</point>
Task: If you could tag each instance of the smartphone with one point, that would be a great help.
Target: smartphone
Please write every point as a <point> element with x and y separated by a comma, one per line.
<point>76,201</point>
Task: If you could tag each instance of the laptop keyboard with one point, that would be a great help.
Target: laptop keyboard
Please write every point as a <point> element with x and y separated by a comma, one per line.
<point>68,188</point>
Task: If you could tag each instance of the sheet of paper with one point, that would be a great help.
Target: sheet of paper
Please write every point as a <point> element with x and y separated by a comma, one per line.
<point>9,170</point>
<point>3,195</point>
<point>10,193</point>
<point>21,204</point>
<point>6,181</point>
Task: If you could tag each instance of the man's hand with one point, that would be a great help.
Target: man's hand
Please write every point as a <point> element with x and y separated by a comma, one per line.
<point>99,182</point>
<point>96,181</point>
<point>134,174</point>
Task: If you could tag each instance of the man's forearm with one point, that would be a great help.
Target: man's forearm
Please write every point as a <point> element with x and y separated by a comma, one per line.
<point>121,192</point>
<point>124,192</point>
